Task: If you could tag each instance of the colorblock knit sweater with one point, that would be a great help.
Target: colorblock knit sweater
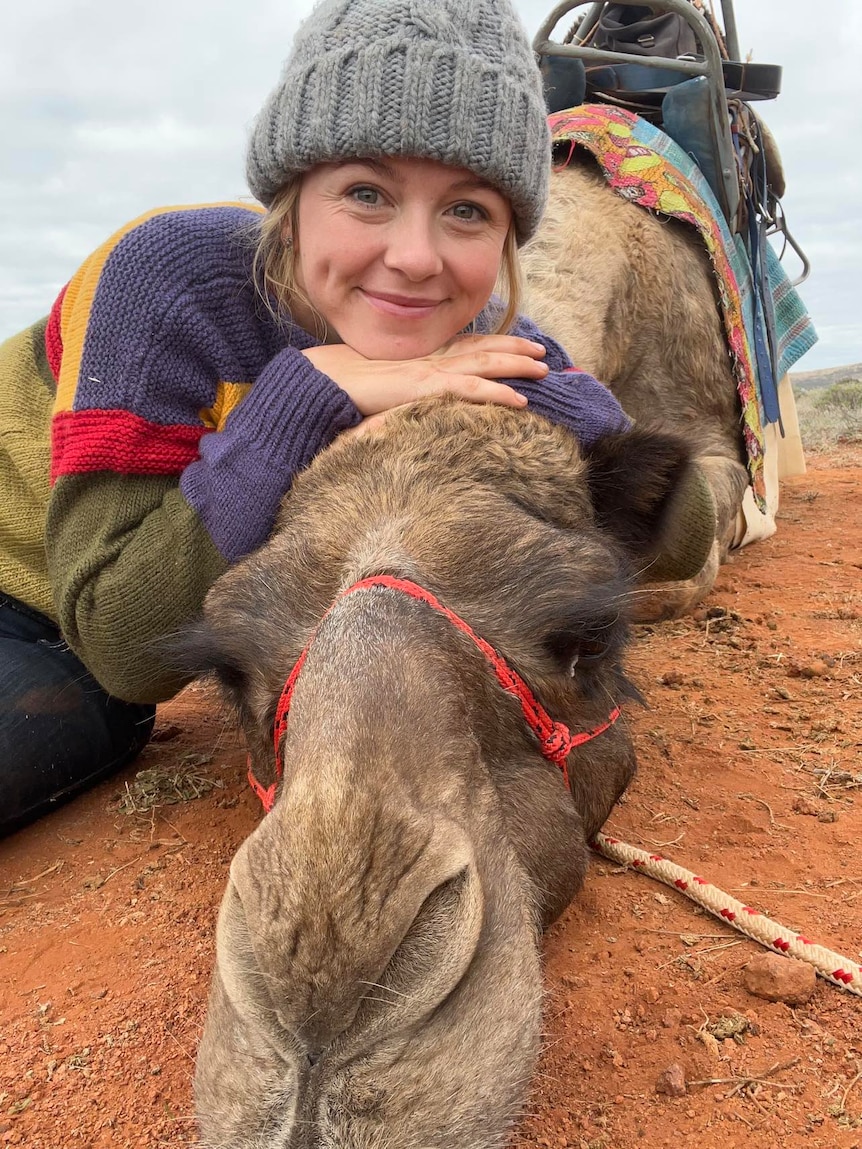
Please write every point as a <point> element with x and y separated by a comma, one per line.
<point>181,413</point>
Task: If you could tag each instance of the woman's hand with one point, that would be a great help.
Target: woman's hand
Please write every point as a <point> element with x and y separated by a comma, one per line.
<point>468,367</point>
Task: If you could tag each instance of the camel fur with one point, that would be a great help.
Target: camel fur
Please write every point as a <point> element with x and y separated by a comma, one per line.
<point>632,299</point>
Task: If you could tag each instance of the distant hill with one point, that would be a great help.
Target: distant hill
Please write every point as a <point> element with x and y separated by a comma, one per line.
<point>809,380</point>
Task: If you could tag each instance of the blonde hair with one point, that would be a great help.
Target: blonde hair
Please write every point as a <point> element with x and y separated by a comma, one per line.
<point>274,265</point>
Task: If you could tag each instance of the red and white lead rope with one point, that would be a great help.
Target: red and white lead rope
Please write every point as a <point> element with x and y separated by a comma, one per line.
<point>833,967</point>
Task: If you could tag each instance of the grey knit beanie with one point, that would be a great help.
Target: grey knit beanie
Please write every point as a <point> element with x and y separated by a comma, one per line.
<point>448,80</point>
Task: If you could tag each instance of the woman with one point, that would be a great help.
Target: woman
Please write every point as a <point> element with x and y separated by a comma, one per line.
<point>204,355</point>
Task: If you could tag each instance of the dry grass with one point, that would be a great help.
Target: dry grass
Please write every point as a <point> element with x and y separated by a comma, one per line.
<point>160,786</point>
<point>831,415</point>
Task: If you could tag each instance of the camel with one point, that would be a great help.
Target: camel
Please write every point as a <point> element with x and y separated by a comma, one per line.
<point>377,980</point>
<point>631,298</point>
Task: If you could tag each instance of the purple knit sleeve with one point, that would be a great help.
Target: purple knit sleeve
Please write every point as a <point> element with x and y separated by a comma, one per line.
<point>568,396</point>
<point>290,414</point>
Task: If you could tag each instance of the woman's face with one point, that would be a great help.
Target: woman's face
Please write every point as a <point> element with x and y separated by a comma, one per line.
<point>398,255</point>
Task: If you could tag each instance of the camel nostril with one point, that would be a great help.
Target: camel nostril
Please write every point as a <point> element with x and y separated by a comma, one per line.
<point>314,1055</point>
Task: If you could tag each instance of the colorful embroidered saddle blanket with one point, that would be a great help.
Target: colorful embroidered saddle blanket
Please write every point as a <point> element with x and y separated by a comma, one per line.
<point>644,165</point>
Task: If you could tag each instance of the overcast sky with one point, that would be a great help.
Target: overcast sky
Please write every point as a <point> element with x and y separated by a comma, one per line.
<point>108,109</point>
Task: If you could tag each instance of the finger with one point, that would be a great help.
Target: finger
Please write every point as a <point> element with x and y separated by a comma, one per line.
<point>495,365</point>
<point>507,344</point>
<point>476,390</point>
<point>370,423</point>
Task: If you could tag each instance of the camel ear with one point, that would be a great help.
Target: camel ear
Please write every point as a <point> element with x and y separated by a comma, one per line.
<point>649,494</point>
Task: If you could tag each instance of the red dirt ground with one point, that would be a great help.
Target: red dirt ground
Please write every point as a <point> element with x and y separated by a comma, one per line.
<point>106,919</point>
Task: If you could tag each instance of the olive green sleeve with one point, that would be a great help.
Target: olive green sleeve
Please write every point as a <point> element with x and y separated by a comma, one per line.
<point>129,562</point>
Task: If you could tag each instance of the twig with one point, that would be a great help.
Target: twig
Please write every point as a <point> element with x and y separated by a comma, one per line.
<point>661,845</point>
<point>726,946</point>
<point>677,933</point>
<point>699,953</point>
<point>180,1044</point>
<point>849,1087</point>
<point>821,782</point>
<point>760,802</point>
<point>772,890</point>
<point>125,866</point>
<point>175,830</point>
<point>29,881</point>
<point>782,749</point>
<point>17,901</point>
<point>745,1082</point>
<point>724,973</point>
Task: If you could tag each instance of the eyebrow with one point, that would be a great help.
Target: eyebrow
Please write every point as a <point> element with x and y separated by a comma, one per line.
<point>370,162</point>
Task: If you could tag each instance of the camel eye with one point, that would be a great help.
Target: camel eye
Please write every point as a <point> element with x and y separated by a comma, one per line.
<point>587,653</point>
<point>592,650</point>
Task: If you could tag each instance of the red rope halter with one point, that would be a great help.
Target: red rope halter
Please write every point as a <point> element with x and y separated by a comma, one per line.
<point>556,741</point>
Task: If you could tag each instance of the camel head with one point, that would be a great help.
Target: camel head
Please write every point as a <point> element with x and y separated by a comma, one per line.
<point>377,977</point>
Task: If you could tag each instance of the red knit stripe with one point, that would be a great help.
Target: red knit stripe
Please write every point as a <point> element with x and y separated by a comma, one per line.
<point>54,335</point>
<point>84,441</point>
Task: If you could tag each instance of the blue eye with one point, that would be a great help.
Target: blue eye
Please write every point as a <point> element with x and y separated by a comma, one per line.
<point>365,195</point>
<point>470,212</point>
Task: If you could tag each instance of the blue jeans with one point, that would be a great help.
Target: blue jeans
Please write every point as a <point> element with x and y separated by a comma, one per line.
<point>59,731</point>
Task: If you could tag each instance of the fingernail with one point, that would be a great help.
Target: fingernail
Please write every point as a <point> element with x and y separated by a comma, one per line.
<point>538,346</point>
<point>522,399</point>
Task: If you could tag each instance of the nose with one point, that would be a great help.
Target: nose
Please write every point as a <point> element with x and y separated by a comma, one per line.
<point>413,247</point>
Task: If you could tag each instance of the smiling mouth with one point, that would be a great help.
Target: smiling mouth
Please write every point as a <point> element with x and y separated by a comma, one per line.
<point>403,306</point>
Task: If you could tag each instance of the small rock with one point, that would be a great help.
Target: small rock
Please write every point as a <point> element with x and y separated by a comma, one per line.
<point>571,981</point>
<point>651,994</point>
<point>671,1018</point>
<point>778,978</point>
<point>98,994</point>
<point>805,806</point>
<point>827,816</point>
<point>817,668</point>
<point>672,1081</point>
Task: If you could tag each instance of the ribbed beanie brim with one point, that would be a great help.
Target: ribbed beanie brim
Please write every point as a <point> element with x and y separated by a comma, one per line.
<point>436,79</point>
